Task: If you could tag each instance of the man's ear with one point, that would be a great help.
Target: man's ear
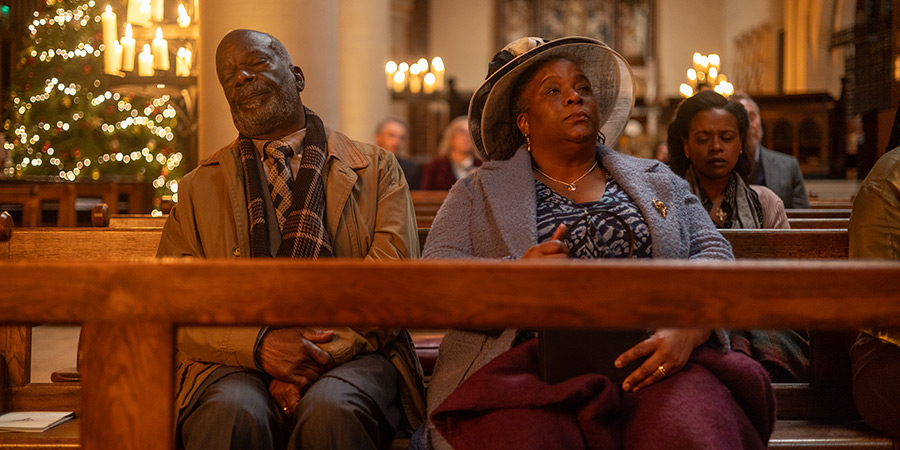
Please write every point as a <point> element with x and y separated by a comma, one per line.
<point>300,79</point>
<point>522,123</point>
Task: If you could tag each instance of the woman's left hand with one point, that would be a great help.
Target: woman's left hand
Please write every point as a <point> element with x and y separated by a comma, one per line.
<point>669,350</point>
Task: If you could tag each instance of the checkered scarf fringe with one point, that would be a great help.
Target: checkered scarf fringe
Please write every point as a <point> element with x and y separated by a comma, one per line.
<point>304,234</point>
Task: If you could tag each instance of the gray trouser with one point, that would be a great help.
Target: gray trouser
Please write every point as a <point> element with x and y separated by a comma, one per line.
<point>353,406</point>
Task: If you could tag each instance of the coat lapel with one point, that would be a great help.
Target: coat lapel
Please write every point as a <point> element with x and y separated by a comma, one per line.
<point>511,198</point>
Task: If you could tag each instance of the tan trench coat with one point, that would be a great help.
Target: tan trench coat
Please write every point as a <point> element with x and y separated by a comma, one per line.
<point>369,214</point>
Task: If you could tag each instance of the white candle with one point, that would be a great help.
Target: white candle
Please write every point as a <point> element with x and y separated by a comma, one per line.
<point>415,83</point>
<point>139,12</point>
<point>399,81</point>
<point>145,62</point>
<point>114,60</point>
<point>389,69</point>
<point>160,51</point>
<point>183,62</point>
<point>110,62</point>
<point>127,50</point>
<point>157,10</point>
<point>437,65</point>
<point>184,20</point>
<point>429,83</point>
<point>146,11</point>
<point>110,34</point>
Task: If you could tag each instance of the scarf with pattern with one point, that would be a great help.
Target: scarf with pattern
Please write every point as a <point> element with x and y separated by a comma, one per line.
<point>304,234</point>
<point>739,202</point>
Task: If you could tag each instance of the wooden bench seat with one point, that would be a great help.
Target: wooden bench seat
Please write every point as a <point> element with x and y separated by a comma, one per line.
<point>812,213</point>
<point>818,223</point>
<point>747,243</point>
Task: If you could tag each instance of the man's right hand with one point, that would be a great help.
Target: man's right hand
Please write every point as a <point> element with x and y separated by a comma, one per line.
<point>291,355</point>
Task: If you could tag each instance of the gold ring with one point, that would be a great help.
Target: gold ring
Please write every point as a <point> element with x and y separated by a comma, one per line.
<point>661,370</point>
<point>285,409</point>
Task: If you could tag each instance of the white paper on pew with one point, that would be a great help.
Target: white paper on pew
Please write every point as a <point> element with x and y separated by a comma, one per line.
<point>33,421</point>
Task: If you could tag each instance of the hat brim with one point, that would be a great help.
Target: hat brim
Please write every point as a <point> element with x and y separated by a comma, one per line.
<point>491,123</point>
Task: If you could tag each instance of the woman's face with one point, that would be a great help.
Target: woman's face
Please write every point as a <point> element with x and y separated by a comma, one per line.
<point>559,106</point>
<point>713,144</point>
<point>461,142</point>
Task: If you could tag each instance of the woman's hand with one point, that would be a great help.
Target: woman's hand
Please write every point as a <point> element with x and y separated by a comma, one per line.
<point>552,248</point>
<point>668,348</point>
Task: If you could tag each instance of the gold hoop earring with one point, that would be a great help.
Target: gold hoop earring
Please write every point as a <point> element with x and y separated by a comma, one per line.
<point>528,143</point>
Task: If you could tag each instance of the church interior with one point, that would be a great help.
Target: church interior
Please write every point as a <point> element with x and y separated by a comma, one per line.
<point>107,104</point>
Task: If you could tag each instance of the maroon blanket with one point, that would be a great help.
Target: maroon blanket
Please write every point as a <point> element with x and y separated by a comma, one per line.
<point>719,400</point>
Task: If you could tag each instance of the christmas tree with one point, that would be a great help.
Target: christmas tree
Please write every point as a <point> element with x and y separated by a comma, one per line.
<point>68,120</point>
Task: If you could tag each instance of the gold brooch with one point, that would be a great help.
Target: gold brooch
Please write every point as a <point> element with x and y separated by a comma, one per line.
<point>661,207</point>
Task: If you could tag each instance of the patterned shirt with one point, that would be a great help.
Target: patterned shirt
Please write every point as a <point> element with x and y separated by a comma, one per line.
<point>601,235</point>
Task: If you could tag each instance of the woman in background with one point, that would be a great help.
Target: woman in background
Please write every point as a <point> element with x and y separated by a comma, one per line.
<point>456,157</point>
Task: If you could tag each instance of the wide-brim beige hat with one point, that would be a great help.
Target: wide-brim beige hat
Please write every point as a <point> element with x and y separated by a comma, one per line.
<point>491,124</point>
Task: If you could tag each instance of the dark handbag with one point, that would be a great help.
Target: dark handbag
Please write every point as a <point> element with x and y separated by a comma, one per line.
<point>568,353</point>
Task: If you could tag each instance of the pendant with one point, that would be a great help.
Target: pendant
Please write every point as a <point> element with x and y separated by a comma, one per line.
<point>722,215</point>
<point>571,187</point>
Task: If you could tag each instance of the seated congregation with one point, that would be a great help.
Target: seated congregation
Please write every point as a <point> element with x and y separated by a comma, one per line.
<point>550,189</point>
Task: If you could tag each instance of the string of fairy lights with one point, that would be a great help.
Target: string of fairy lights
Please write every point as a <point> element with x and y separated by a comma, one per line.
<point>31,142</point>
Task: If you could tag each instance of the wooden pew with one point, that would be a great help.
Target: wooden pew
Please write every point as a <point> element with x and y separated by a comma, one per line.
<point>811,213</point>
<point>747,243</point>
<point>818,224</point>
<point>427,204</point>
<point>128,387</point>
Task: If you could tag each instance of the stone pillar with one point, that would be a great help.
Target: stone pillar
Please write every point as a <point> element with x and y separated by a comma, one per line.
<point>363,45</point>
<point>309,30</point>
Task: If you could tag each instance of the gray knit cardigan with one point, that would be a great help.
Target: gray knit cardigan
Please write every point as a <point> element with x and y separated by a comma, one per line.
<point>491,213</point>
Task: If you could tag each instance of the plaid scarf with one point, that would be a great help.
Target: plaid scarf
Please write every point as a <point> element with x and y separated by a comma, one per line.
<point>303,235</point>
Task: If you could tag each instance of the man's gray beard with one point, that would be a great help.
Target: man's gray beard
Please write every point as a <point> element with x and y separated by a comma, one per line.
<point>268,116</point>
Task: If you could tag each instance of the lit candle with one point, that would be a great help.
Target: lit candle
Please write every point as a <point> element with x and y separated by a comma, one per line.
<point>113,60</point>
<point>429,83</point>
<point>158,10</point>
<point>160,51</point>
<point>110,62</point>
<point>415,83</point>
<point>127,50</point>
<point>184,20</point>
<point>389,70</point>
<point>399,81</point>
<point>437,65</point>
<point>139,12</point>
<point>183,62</point>
<point>145,62</point>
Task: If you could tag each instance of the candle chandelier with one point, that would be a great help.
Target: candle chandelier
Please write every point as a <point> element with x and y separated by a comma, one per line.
<point>419,78</point>
<point>705,75</point>
<point>144,49</point>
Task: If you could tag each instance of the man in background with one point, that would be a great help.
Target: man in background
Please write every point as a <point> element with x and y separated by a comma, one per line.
<point>774,170</point>
<point>390,135</point>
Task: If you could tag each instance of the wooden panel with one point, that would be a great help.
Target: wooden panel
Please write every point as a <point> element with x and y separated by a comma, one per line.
<point>44,397</point>
<point>819,224</point>
<point>15,340</point>
<point>127,377</point>
<point>793,244</point>
<point>814,213</point>
<point>802,434</point>
<point>83,243</point>
<point>660,293</point>
<point>136,221</point>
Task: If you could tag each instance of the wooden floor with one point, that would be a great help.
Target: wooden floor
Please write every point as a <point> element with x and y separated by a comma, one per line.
<point>53,348</point>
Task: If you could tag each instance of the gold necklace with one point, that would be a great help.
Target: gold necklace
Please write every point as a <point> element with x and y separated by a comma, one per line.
<point>570,186</point>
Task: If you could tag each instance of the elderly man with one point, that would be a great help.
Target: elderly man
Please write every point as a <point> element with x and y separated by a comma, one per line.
<point>774,170</point>
<point>291,187</point>
<point>390,135</point>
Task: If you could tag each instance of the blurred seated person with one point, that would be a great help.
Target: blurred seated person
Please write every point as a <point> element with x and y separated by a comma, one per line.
<point>456,157</point>
<point>706,147</point>
<point>392,134</point>
<point>540,121</point>
<point>707,139</point>
<point>775,170</point>
<point>875,234</point>
<point>661,153</point>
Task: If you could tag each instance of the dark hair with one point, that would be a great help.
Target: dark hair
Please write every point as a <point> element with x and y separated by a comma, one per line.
<point>681,125</point>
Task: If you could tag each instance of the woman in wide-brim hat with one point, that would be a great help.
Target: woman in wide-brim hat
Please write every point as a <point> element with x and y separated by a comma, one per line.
<point>541,121</point>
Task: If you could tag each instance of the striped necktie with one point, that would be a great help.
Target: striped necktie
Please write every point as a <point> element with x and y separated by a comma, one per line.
<point>281,183</point>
